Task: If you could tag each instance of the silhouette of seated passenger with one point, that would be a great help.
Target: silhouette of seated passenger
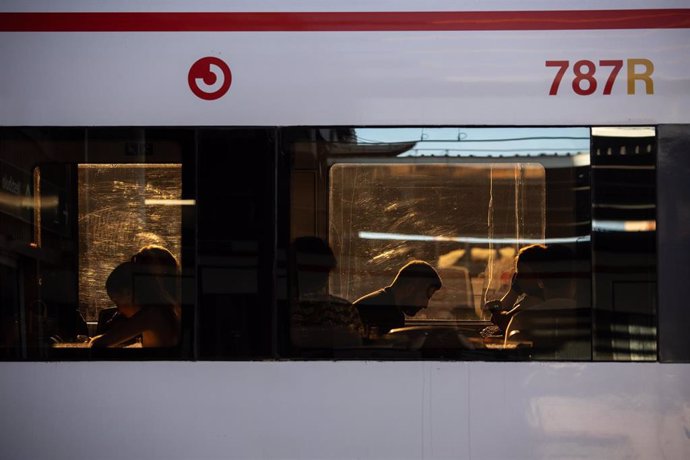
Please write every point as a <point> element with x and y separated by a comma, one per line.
<point>556,327</point>
<point>145,293</point>
<point>318,318</point>
<point>413,286</point>
<point>525,289</point>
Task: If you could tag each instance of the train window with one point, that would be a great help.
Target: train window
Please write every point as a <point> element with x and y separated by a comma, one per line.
<point>99,232</point>
<point>335,243</point>
<point>501,216</point>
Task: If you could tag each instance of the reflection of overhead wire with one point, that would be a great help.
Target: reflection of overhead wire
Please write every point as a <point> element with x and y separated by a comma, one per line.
<point>465,140</point>
<point>536,138</point>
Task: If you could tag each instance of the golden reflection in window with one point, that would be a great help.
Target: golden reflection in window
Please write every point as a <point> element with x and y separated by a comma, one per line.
<point>123,207</point>
<point>467,219</point>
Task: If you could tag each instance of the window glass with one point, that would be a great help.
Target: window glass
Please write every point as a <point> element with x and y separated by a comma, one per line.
<point>460,243</point>
<point>467,219</point>
<point>332,243</point>
<point>624,256</point>
<point>100,242</point>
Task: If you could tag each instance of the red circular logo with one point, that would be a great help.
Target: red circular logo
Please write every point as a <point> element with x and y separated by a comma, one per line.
<point>209,78</point>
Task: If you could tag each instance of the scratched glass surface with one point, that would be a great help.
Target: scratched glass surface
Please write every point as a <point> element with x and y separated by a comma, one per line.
<point>467,220</point>
<point>115,221</point>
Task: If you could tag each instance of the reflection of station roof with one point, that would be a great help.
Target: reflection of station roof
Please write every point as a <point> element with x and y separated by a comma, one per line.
<point>387,150</point>
<point>555,147</point>
<point>407,151</point>
<point>548,159</point>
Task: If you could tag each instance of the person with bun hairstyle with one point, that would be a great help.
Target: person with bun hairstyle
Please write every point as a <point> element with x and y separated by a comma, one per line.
<point>146,293</point>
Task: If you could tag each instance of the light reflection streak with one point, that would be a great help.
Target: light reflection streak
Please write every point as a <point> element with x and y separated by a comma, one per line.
<point>624,131</point>
<point>470,239</point>
<point>129,165</point>
<point>27,202</point>
<point>624,225</point>
<point>164,202</point>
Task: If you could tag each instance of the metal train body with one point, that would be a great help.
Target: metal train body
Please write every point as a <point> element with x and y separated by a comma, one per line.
<point>309,65</point>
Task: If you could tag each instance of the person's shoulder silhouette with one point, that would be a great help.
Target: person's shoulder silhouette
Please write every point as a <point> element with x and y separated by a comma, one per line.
<point>319,318</point>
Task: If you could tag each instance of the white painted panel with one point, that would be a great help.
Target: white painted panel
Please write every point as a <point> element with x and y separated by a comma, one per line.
<point>341,78</point>
<point>344,410</point>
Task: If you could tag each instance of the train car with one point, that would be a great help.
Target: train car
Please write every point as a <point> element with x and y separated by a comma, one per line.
<point>199,200</point>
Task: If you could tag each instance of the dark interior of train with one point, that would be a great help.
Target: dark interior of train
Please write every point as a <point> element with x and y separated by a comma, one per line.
<point>293,243</point>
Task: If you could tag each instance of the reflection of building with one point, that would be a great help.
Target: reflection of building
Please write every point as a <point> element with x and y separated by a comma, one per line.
<point>624,243</point>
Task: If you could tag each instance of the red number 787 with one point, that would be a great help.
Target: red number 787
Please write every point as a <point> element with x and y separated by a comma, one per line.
<point>584,76</point>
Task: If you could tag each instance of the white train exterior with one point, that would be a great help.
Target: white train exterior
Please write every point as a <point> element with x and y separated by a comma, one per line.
<point>391,63</point>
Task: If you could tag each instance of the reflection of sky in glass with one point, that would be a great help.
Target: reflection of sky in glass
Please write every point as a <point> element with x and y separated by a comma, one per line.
<point>481,142</point>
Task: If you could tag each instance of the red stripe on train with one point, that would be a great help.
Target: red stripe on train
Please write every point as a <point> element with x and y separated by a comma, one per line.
<point>346,21</point>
